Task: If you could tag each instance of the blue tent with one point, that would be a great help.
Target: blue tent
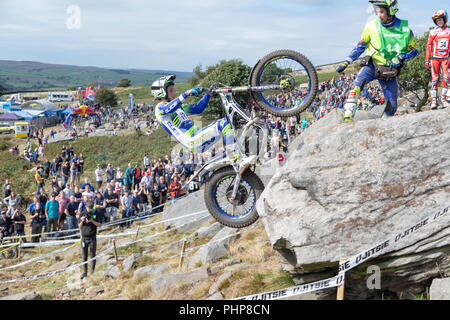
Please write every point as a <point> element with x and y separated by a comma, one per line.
<point>68,110</point>
<point>26,115</point>
<point>10,117</point>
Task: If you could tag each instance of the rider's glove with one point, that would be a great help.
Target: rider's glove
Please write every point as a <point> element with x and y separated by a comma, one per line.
<point>195,92</point>
<point>428,65</point>
<point>396,62</point>
<point>340,68</point>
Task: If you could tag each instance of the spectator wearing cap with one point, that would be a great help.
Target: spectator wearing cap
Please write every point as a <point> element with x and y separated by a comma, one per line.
<point>52,213</point>
<point>99,176</point>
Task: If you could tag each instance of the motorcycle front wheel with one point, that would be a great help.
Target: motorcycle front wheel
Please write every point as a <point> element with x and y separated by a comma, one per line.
<point>241,211</point>
<point>294,73</point>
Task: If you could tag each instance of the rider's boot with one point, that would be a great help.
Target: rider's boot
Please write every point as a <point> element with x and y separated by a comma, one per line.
<point>350,107</point>
<point>434,99</point>
<point>444,99</point>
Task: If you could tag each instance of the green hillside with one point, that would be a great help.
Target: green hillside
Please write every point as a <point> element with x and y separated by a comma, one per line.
<point>26,75</point>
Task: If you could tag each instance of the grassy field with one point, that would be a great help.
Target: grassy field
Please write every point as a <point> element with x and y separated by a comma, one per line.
<point>27,75</point>
<point>142,94</point>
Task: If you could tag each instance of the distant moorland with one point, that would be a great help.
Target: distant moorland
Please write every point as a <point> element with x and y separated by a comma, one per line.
<point>29,76</point>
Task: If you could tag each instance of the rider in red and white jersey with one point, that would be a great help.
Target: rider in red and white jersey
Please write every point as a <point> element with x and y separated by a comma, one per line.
<point>438,51</point>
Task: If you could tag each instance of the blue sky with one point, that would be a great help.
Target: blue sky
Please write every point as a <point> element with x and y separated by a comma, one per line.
<point>178,35</point>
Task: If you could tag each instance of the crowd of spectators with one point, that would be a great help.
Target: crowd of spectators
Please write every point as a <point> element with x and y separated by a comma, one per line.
<point>333,93</point>
<point>62,191</point>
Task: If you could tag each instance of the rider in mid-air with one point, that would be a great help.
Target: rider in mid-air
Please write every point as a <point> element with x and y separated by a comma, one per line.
<point>438,51</point>
<point>389,42</point>
<point>172,113</point>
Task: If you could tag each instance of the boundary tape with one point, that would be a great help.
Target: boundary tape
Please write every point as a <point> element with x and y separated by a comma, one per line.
<point>348,264</point>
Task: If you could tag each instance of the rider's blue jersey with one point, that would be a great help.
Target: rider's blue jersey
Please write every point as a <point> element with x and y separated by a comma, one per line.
<point>173,115</point>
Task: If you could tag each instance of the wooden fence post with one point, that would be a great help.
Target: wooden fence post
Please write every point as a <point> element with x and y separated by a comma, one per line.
<point>340,289</point>
<point>115,250</point>
<point>137,233</point>
<point>183,248</point>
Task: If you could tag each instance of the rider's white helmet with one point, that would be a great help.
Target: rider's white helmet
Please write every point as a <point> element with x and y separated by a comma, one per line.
<point>159,87</point>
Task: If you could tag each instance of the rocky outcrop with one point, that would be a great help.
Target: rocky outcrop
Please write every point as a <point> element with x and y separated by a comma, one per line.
<point>189,277</point>
<point>346,187</point>
<point>216,248</point>
<point>23,296</point>
<point>195,203</point>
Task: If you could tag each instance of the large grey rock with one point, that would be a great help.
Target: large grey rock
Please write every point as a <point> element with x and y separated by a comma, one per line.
<point>166,281</point>
<point>219,282</point>
<point>215,296</point>
<point>216,248</point>
<point>73,280</point>
<point>378,110</point>
<point>59,265</point>
<point>113,272</point>
<point>223,264</point>
<point>152,270</point>
<point>94,291</point>
<point>335,117</point>
<point>191,204</point>
<point>266,171</point>
<point>23,296</point>
<point>361,115</point>
<point>129,262</point>
<point>440,289</point>
<point>205,231</point>
<point>348,187</point>
<point>61,136</point>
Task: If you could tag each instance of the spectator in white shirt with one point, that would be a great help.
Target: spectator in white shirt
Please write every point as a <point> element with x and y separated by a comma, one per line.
<point>99,176</point>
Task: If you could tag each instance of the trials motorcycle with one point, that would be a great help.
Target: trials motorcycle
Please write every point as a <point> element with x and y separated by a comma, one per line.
<point>283,83</point>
